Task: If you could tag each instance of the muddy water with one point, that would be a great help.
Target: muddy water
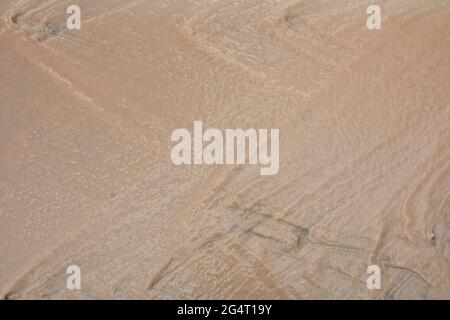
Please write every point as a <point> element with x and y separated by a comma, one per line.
<point>86,176</point>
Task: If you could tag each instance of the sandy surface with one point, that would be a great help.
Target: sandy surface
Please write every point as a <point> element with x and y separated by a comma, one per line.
<point>86,176</point>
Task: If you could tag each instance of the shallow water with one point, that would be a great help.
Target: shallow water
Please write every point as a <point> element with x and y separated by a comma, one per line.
<point>86,176</point>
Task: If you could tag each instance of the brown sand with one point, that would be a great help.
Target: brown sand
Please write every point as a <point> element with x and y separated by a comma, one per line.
<point>86,176</point>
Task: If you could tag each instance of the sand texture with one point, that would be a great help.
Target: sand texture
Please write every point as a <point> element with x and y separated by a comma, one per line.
<point>86,176</point>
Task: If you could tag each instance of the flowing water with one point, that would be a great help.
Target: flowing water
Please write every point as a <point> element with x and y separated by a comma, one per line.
<point>86,176</point>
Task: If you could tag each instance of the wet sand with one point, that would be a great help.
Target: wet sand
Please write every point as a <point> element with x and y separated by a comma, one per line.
<point>86,176</point>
